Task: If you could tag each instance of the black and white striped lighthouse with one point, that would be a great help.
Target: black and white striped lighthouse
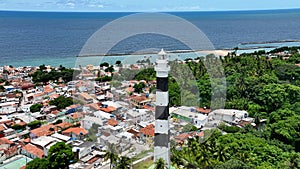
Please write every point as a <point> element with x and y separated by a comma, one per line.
<point>162,129</point>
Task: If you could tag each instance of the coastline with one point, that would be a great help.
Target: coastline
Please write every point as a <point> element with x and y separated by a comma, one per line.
<point>96,59</point>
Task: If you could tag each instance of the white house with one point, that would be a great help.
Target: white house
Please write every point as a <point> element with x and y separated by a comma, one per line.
<point>88,121</point>
<point>102,115</point>
<point>229,115</point>
<point>138,115</point>
<point>189,114</point>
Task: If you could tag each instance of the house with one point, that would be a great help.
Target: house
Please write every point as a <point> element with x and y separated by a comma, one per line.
<point>112,122</point>
<point>80,148</point>
<point>7,148</point>
<point>189,115</point>
<point>182,138</point>
<point>139,101</point>
<point>61,137</point>
<point>88,121</point>
<point>94,106</point>
<point>107,109</point>
<point>137,115</point>
<point>229,115</point>
<point>102,115</point>
<point>203,110</point>
<point>74,117</point>
<point>76,133</point>
<point>135,132</point>
<point>62,126</point>
<point>44,143</point>
<point>73,108</point>
<point>147,134</point>
<point>45,130</point>
<point>85,97</point>
<point>32,151</point>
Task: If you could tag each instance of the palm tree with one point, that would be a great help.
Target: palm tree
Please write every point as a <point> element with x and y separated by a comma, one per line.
<point>111,155</point>
<point>176,157</point>
<point>160,164</point>
<point>221,153</point>
<point>124,163</point>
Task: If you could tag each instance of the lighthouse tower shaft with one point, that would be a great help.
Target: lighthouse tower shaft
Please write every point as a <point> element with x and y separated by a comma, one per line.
<point>162,129</point>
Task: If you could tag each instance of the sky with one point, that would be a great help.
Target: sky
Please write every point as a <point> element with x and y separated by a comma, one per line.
<point>145,5</point>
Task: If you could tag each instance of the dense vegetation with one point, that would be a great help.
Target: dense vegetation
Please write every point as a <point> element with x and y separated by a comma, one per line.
<point>267,87</point>
<point>61,74</point>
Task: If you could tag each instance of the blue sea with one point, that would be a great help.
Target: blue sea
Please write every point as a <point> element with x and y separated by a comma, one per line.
<point>56,38</point>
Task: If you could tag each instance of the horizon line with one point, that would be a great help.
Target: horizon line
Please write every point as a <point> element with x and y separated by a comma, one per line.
<point>146,11</point>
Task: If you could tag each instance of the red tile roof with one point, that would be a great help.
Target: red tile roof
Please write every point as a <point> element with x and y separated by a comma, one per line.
<point>32,149</point>
<point>183,136</point>
<point>43,130</point>
<point>148,130</point>
<point>139,98</point>
<point>109,109</point>
<point>63,125</point>
<point>4,140</point>
<point>202,110</point>
<point>136,133</point>
<point>148,107</point>
<point>75,130</point>
<point>94,106</point>
<point>112,122</point>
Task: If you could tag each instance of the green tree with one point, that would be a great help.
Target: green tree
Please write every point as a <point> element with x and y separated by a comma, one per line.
<point>118,62</point>
<point>2,89</point>
<point>124,163</point>
<point>233,164</point>
<point>34,124</point>
<point>36,108</point>
<point>61,102</point>
<point>60,155</point>
<point>189,127</point>
<point>38,163</point>
<point>160,164</point>
<point>139,87</point>
<point>104,64</point>
<point>111,155</point>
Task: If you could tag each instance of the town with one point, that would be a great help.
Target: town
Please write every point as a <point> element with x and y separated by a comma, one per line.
<point>90,111</point>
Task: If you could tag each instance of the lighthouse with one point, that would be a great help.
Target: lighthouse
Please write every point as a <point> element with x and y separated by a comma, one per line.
<point>162,129</point>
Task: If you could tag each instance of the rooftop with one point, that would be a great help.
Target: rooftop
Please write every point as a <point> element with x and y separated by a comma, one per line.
<point>32,149</point>
<point>148,130</point>
<point>76,130</point>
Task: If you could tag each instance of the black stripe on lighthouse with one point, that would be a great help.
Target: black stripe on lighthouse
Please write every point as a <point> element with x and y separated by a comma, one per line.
<point>162,112</point>
<point>161,140</point>
<point>162,84</point>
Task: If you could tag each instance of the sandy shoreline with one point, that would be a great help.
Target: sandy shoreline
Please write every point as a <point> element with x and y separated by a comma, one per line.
<point>216,52</point>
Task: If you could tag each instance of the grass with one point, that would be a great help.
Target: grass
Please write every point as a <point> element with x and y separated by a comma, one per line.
<point>142,154</point>
<point>144,164</point>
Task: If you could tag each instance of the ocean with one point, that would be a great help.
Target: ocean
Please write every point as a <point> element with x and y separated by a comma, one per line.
<point>56,38</point>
